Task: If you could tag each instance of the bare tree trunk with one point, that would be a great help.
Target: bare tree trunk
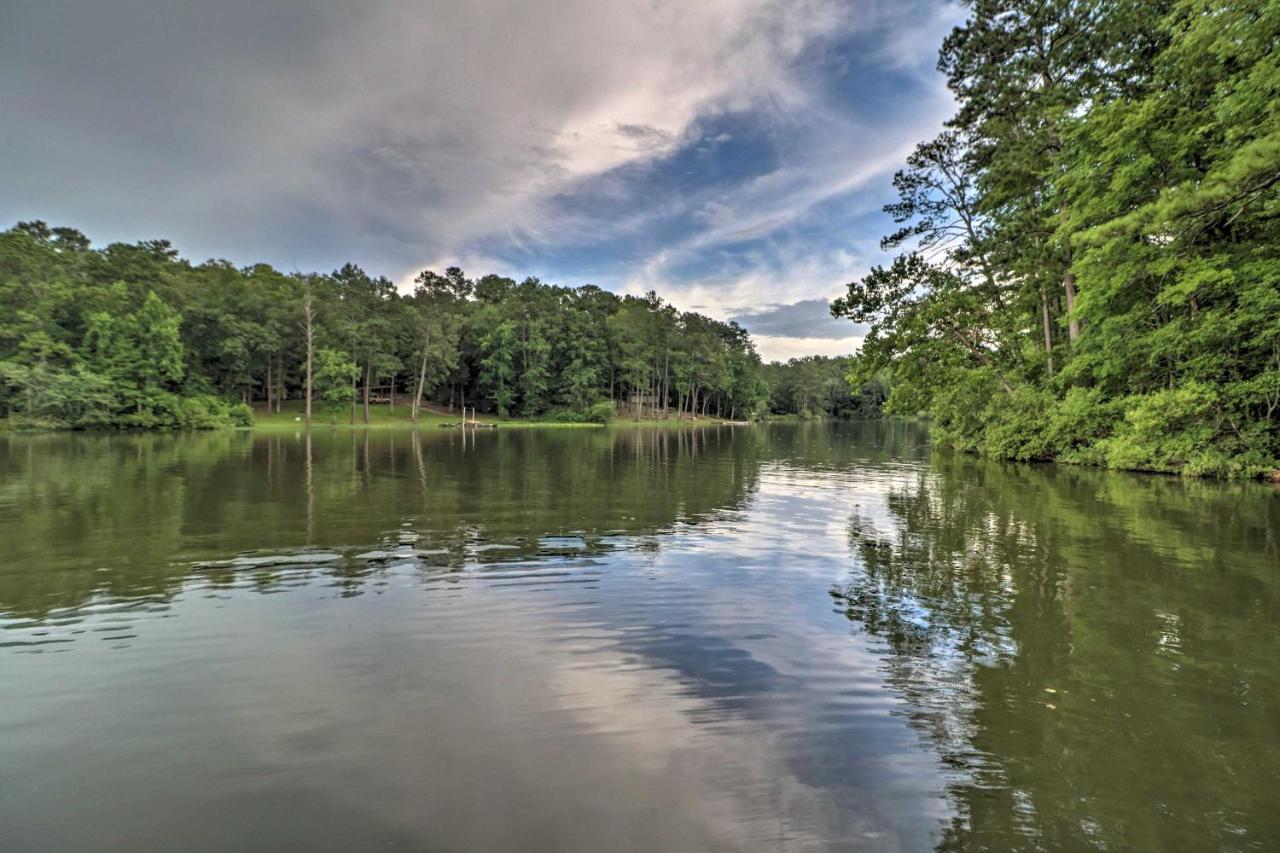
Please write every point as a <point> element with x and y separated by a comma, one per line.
<point>1048,336</point>
<point>422,378</point>
<point>270,391</point>
<point>308,314</point>
<point>1073,327</point>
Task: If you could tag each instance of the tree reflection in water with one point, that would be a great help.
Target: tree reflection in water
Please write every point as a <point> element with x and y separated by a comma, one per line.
<point>1092,654</point>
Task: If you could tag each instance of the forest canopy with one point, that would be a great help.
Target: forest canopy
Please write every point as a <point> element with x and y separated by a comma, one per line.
<point>817,386</point>
<point>1090,250</point>
<point>133,335</point>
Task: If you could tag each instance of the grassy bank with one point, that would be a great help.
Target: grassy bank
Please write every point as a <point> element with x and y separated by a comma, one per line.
<point>381,415</point>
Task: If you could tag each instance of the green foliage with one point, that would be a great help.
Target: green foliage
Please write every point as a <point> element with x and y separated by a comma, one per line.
<point>334,376</point>
<point>136,336</point>
<point>818,386</point>
<point>1184,429</point>
<point>1080,422</point>
<point>498,367</point>
<point>41,394</point>
<point>205,411</point>
<point>602,412</point>
<point>1092,249</point>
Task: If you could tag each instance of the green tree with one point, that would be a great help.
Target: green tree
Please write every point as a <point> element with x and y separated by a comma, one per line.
<point>1089,268</point>
<point>334,371</point>
<point>498,374</point>
<point>141,351</point>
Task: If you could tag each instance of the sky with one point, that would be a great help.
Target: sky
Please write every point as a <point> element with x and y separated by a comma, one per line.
<point>732,155</point>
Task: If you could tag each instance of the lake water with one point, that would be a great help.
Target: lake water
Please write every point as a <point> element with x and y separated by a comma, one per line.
<point>810,637</point>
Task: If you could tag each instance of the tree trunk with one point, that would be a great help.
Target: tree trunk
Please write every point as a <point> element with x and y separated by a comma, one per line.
<point>1069,285</point>
<point>417,394</point>
<point>308,313</point>
<point>270,391</point>
<point>1048,337</point>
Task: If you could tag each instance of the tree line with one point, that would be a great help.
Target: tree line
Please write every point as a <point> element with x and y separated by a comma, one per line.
<point>1090,250</point>
<point>133,335</point>
<point>817,386</point>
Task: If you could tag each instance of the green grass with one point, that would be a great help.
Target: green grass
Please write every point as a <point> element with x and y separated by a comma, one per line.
<point>382,416</point>
<point>433,417</point>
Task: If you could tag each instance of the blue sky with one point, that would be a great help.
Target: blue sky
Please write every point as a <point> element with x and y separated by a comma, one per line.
<point>731,154</point>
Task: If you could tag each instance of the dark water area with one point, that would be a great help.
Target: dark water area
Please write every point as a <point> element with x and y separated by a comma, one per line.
<point>811,637</point>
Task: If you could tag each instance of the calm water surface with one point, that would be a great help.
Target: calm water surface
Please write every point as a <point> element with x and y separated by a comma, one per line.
<point>787,638</point>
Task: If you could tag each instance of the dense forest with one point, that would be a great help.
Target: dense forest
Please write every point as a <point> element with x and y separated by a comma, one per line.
<point>1090,266</point>
<point>816,386</point>
<point>132,335</point>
